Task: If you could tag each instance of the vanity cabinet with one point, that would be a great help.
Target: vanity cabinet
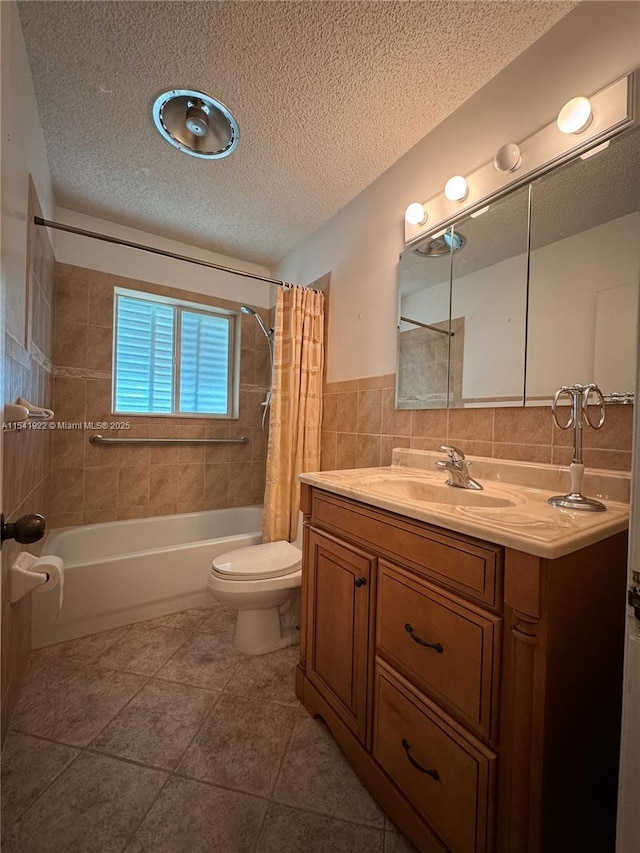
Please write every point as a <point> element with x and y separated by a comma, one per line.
<point>474,688</point>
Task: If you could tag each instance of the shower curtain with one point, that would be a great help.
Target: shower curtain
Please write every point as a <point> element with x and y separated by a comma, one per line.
<point>296,407</point>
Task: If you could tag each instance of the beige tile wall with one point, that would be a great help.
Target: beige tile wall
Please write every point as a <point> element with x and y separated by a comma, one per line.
<point>94,484</point>
<point>361,427</point>
<point>26,458</point>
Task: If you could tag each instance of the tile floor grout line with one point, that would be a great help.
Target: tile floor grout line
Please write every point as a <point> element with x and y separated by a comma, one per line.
<point>153,674</point>
<point>48,786</point>
<point>219,787</point>
<point>142,686</point>
<point>275,783</point>
<point>111,719</point>
<point>310,810</point>
<point>197,732</point>
<point>144,816</point>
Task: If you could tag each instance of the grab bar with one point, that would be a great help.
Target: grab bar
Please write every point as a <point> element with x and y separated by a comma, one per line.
<point>99,439</point>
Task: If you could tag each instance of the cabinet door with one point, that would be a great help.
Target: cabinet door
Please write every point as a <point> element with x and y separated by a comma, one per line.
<point>339,579</point>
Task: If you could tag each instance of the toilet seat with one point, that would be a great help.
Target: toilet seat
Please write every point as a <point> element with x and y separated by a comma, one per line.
<point>255,562</point>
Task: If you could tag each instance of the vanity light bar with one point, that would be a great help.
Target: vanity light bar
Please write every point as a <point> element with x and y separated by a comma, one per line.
<point>612,111</point>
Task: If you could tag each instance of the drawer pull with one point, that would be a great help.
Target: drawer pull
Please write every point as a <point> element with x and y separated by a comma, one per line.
<point>361,582</point>
<point>437,647</point>
<point>433,773</point>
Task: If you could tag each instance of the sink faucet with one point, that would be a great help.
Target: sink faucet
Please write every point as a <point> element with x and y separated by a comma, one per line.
<point>457,468</point>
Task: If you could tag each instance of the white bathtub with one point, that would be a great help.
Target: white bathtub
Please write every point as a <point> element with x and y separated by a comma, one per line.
<point>126,571</point>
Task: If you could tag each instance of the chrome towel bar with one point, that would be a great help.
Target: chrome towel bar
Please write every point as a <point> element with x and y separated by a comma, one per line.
<point>99,439</point>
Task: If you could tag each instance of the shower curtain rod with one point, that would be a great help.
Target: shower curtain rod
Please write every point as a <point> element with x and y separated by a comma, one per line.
<point>427,326</point>
<point>60,227</point>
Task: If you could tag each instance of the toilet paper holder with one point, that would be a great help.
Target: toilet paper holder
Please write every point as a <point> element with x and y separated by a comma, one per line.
<point>29,573</point>
<point>23,580</point>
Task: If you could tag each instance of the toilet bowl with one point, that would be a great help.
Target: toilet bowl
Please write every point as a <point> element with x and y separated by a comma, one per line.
<point>261,582</point>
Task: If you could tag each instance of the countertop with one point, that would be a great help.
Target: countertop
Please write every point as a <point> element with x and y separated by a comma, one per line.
<point>530,524</point>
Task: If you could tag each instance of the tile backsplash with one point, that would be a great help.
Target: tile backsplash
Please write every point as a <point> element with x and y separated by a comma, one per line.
<point>361,426</point>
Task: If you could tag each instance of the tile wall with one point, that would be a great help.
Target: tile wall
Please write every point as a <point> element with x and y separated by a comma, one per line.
<point>361,427</point>
<point>26,456</point>
<point>95,484</point>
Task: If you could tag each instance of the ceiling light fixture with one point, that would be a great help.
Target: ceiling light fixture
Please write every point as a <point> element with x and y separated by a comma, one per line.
<point>441,244</point>
<point>415,214</point>
<point>596,119</point>
<point>196,123</point>
<point>575,116</point>
<point>508,158</point>
<point>456,188</point>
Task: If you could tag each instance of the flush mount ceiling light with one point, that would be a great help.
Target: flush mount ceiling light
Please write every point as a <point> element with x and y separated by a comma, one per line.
<point>456,188</point>
<point>415,214</point>
<point>196,123</point>
<point>508,158</point>
<point>575,116</point>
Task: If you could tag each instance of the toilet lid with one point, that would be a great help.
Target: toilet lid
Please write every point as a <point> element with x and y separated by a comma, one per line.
<point>270,560</point>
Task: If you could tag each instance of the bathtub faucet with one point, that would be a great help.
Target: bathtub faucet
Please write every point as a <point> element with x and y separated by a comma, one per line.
<point>457,468</point>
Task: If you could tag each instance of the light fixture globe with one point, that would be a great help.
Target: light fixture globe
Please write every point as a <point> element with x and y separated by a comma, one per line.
<point>456,188</point>
<point>508,158</point>
<point>575,116</point>
<point>415,214</point>
<point>196,124</point>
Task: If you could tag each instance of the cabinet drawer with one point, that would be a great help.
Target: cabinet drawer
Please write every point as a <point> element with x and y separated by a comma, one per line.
<point>465,565</point>
<point>444,772</point>
<point>448,648</point>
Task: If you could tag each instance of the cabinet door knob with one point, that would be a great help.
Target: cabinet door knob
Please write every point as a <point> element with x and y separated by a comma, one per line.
<point>433,773</point>
<point>361,582</point>
<point>437,647</point>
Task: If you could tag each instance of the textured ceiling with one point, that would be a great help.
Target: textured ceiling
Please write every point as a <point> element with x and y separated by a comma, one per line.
<point>327,95</point>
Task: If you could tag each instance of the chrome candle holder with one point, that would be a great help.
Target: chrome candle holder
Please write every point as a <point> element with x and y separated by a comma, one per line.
<point>579,397</point>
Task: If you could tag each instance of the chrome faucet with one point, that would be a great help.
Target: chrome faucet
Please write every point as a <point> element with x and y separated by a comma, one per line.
<point>457,468</point>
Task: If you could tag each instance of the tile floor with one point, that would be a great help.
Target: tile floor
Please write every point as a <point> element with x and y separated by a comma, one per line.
<point>161,737</point>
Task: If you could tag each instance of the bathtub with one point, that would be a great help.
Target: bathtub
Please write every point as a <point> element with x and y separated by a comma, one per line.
<point>122,572</point>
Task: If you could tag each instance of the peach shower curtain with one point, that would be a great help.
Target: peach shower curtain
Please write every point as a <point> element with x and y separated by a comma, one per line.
<point>296,407</point>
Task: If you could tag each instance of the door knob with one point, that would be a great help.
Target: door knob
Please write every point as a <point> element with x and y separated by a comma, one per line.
<point>360,582</point>
<point>27,529</point>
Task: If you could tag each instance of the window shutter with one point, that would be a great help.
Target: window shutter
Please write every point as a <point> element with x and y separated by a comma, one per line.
<point>143,356</point>
<point>204,363</point>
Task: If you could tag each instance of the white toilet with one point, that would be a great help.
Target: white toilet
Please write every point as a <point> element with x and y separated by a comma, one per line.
<point>261,582</point>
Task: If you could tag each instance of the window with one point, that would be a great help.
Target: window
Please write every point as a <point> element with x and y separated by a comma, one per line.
<point>172,358</point>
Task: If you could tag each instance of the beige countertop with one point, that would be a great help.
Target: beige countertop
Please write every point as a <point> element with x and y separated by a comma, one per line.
<point>528,523</point>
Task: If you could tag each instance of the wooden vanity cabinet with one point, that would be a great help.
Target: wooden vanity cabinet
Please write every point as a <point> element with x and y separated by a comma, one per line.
<point>475,689</point>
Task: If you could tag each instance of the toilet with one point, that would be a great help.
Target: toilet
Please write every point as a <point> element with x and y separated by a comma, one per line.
<point>261,582</point>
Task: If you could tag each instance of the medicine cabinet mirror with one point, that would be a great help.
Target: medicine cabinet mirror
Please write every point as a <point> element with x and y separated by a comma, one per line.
<point>539,290</point>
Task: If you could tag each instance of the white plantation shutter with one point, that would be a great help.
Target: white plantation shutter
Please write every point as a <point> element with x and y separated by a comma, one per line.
<point>144,356</point>
<point>204,363</point>
<point>171,360</point>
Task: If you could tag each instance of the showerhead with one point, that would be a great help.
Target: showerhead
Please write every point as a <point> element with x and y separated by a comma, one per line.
<point>247,310</point>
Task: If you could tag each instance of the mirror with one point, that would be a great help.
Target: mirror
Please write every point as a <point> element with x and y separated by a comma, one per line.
<point>486,321</point>
<point>584,273</point>
<point>489,306</point>
<point>423,330</point>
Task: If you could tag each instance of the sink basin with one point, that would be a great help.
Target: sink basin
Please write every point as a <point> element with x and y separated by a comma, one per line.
<point>417,489</point>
